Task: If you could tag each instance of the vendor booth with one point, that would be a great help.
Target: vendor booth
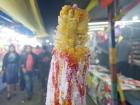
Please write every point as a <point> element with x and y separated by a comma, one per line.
<point>101,86</point>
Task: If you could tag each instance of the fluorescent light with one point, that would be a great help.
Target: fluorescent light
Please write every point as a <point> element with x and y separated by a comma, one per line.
<point>101,26</point>
<point>6,19</point>
<point>95,29</point>
<point>134,18</point>
<point>134,21</point>
<point>98,23</point>
<point>50,44</point>
<point>91,32</point>
<point>8,34</point>
<point>122,26</point>
<point>47,41</point>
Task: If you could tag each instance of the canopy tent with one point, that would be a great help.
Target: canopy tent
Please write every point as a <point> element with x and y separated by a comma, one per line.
<point>25,12</point>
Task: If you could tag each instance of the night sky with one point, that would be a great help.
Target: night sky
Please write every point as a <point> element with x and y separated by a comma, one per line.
<point>50,10</point>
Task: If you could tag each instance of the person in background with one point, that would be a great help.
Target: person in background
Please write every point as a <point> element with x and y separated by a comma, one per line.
<point>37,50</point>
<point>21,76</point>
<point>11,67</point>
<point>28,63</point>
<point>44,66</point>
<point>103,53</point>
<point>123,51</point>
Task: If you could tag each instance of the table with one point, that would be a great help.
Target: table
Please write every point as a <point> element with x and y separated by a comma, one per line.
<point>99,85</point>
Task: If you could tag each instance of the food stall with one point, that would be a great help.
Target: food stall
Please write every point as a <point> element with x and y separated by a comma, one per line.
<point>99,86</point>
<point>101,81</point>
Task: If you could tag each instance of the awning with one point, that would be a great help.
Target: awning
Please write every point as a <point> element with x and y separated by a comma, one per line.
<point>25,12</point>
<point>98,13</point>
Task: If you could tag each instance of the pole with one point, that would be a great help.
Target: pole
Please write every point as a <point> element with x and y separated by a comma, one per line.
<point>112,54</point>
<point>119,88</point>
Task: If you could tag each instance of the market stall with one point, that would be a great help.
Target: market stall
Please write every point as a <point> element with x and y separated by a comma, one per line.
<point>99,86</point>
<point>106,85</point>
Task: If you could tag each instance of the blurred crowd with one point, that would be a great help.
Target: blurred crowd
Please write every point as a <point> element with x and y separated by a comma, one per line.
<point>19,70</point>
